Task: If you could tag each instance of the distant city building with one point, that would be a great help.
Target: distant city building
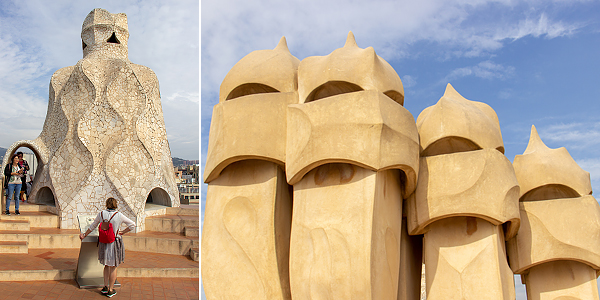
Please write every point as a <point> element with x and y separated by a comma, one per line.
<point>186,177</point>
<point>189,193</point>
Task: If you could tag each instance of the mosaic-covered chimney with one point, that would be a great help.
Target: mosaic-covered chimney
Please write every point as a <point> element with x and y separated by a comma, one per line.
<point>104,134</point>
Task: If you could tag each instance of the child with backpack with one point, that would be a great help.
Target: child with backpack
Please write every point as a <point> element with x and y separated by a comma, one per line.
<point>110,247</point>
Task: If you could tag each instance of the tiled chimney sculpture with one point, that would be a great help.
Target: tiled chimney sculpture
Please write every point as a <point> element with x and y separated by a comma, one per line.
<point>104,134</point>
<point>352,155</point>
<point>466,201</point>
<point>557,248</point>
<point>246,233</point>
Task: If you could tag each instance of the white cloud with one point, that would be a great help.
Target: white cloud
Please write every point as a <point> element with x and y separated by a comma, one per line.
<point>181,109</point>
<point>231,29</point>
<point>541,26</point>
<point>485,69</point>
<point>591,165</point>
<point>408,81</point>
<point>576,135</point>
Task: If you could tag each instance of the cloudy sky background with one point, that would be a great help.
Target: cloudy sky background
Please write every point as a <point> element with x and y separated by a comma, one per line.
<point>39,37</point>
<point>534,62</point>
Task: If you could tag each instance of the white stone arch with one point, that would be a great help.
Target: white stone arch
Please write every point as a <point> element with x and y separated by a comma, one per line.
<point>41,154</point>
<point>38,149</point>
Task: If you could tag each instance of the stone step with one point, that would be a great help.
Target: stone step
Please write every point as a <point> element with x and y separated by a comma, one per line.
<point>195,254</point>
<point>147,241</point>
<point>35,218</point>
<point>183,211</point>
<point>16,225</point>
<point>60,264</point>
<point>13,247</point>
<point>24,206</point>
<point>38,237</point>
<point>192,231</point>
<point>171,223</point>
<point>160,242</point>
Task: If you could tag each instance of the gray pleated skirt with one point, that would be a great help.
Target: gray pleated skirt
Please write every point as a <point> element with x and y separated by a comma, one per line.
<point>111,254</point>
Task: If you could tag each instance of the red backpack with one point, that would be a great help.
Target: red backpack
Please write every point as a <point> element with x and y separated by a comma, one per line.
<point>105,230</point>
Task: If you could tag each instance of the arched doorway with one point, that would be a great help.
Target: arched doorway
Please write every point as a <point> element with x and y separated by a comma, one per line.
<point>158,196</point>
<point>45,196</point>
<point>35,159</point>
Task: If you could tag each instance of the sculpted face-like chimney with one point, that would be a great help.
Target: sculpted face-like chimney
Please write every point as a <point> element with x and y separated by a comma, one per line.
<point>104,35</point>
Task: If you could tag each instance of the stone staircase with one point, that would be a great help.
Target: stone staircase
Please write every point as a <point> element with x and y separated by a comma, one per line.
<point>34,228</point>
<point>175,232</point>
<point>170,232</point>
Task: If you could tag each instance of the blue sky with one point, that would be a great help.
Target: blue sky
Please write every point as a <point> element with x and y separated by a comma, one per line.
<point>39,37</point>
<point>535,62</point>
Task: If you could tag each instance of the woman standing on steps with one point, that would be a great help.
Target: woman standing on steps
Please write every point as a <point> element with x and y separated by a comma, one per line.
<point>111,254</point>
<point>12,175</point>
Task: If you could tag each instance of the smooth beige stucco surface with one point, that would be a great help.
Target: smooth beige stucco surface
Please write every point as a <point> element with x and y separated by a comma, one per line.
<point>540,166</point>
<point>544,282</point>
<point>455,124</point>
<point>350,111</point>
<point>557,229</point>
<point>248,127</point>
<point>478,183</point>
<point>465,259</point>
<point>246,232</point>
<point>245,237</point>
<point>350,64</point>
<point>364,128</point>
<point>249,122</point>
<point>345,240</point>
<point>557,248</point>
<point>352,155</point>
<point>260,70</point>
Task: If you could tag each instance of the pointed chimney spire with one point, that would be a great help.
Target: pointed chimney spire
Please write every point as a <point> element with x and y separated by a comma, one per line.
<point>282,46</point>
<point>535,142</point>
<point>350,41</point>
<point>452,93</point>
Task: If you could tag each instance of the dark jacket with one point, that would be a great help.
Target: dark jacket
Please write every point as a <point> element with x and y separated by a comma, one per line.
<point>7,172</point>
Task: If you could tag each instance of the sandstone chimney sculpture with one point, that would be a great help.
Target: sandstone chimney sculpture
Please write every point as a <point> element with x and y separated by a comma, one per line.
<point>557,248</point>
<point>352,155</point>
<point>104,134</point>
<point>322,186</point>
<point>466,201</point>
<point>246,233</point>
